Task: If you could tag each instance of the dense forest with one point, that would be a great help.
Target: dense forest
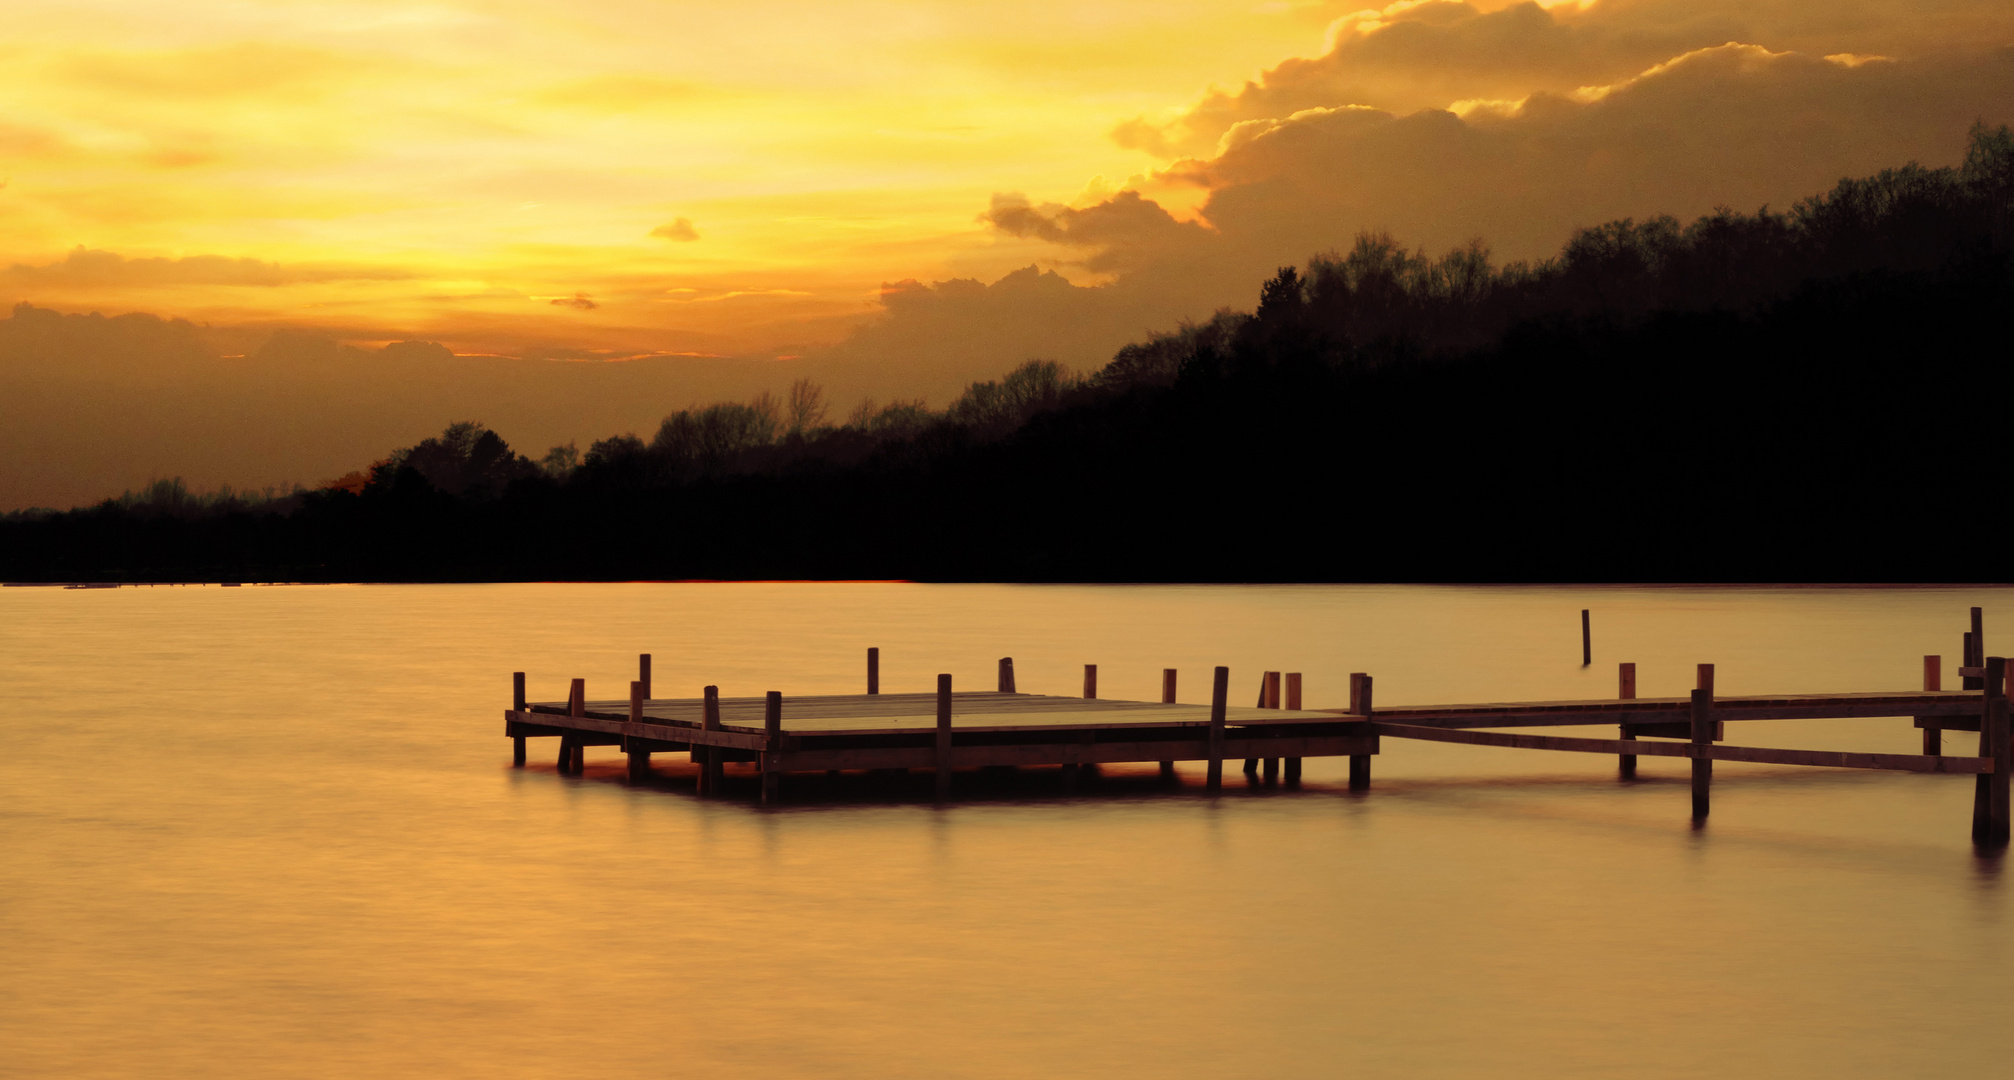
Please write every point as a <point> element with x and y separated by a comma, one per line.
<point>1818,394</point>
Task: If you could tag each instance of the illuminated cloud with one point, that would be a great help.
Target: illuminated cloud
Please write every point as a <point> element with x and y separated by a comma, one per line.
<point>679,229</point>
<point>1414,55</point>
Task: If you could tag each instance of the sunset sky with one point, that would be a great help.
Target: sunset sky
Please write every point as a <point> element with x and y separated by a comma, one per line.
<point>616,176</point>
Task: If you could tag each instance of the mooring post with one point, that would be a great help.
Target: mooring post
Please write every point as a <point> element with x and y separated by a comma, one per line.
<point>1360,764</point>
<point>1702,736</point>
<point>1975,650</point>
<point>772,747</point>
<point>873,671</point>
<point>1933,679</point>
<point>710,764</point>
<point>1989,796</point>
<point>1220,696</point>
<point>643,673</point>
<point>1090,680</point>
<point>1996,726</point>
<point>1586,640</point>
<point>639,760</point>
<point>1167,698</point>
<point>1625,689</point>
<point>1293,705</point>
<point>572,755</point>
<point>1272,701</point>
<point>944,737</point>
<point>517,705</point>
<point>1006,674</point>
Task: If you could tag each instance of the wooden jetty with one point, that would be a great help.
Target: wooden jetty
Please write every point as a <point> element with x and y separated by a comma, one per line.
<point>951,730</point>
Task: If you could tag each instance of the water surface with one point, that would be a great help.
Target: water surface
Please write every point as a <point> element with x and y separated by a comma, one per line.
<point>275,832</point>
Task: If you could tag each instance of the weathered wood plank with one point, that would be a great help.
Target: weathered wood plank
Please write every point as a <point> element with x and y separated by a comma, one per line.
<point>1758,755</point>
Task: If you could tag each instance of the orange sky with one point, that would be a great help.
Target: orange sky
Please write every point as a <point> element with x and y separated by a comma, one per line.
<point>628,176</point>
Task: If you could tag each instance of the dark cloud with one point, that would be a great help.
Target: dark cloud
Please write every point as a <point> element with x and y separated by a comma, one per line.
<point>83,266</point>
<point>580,301</point>
<point>679,229</point>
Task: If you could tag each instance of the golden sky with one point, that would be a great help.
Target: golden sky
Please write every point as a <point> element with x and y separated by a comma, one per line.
<point>456,166</point>
<point>626,176</point>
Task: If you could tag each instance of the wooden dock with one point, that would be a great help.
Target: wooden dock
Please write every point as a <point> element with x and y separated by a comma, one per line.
<point>949,730</point>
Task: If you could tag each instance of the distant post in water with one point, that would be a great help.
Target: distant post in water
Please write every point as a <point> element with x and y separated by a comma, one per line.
<point>1625,678</point>
<point>643,673</point>
<point>1586,640</point>
<point>517,705</point>
<point>639,760</point>
<point>1006,674</point>
<point>1220,697</point>
<point>772,744</point>
<point>1360,764</point>
<point>873,671</point>
<point>1090,680</point>
<point>943,737</point>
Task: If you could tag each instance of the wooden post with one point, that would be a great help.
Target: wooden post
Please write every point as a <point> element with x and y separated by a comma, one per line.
<point>1586,641</point>
<point>874,671</point>
<point>572,755</point>
<point>1996,726</point>
<point>1989,797</point>
<point>1006,674</point>
<point>639,760</point>
<point>643,673</point>
<point>517,704</point>
<point>1270,692</point>
<point>710,766</point>
<point>944,737</point>
<point>1933,679</point>
<point>1360,764</point>
<point>1167,698</point>
<point>1702,735</point>
<point>1293,776</point>
<point>1705,680</point>
<point>1625,689</point>
<point>772,746</point>
<point>1220,694</point>
<point>1090,680</point>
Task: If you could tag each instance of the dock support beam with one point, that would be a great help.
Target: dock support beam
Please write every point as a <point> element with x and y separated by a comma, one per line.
<point>873,671</point>
<point>639,760</point>
<point>573,755</point>
<point>517,704</point>
<point>1360,703</point>
<point>643,673</point>
<point>1006,674</point>
<point>1090,680</point>
<point>772,745</point>
<point>1167,698</point>
<point>944,737</point>
<point>1220,697</point>
<point>1625,690</point>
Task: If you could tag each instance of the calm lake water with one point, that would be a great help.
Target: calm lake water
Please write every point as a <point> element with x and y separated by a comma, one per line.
<point>275,832</point>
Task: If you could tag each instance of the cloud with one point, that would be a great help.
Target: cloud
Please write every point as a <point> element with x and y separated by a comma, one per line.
<point>1735,125</point>
<point>86,267</point>
<point>679,229</point>
<point>580,301</point>
<point>1414,55</point>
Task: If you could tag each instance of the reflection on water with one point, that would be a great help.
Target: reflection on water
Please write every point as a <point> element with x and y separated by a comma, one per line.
<point>275,831</point>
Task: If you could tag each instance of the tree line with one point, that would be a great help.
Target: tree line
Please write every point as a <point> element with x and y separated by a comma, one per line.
<point>1808,394</point>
